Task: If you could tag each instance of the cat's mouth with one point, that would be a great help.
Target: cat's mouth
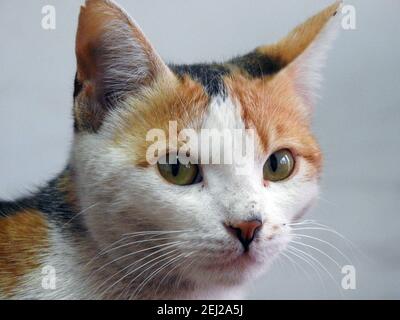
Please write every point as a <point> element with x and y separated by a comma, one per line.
<point>241,261</point>
<point>256,256</point>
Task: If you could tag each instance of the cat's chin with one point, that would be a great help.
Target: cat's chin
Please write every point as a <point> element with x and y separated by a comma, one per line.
<point>232,272</point>
<point>242,262</point>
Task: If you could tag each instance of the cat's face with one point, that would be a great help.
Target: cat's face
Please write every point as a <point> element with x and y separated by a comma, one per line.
<point>209,222</point>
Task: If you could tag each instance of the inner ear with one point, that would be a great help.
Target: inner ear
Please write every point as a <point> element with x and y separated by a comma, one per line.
<point>114,59</point>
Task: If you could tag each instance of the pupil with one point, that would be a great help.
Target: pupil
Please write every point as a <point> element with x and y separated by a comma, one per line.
<point>175,169</point>
<point>273,163</point>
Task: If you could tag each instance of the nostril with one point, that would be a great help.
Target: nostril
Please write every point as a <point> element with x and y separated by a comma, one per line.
<point>245,231</point>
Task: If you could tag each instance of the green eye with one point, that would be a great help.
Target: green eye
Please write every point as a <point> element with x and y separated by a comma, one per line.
<point>179,173</point>
<point>279,165</point>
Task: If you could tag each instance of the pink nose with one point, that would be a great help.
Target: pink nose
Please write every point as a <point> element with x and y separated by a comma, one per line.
<point>245,231</point>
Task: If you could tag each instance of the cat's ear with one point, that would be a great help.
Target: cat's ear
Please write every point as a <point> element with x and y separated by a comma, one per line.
<point>298,57</point>
<point>302,52</point>
<point>114,59</point>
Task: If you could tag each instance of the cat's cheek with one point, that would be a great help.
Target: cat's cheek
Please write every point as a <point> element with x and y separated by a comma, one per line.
<point>304,188</point>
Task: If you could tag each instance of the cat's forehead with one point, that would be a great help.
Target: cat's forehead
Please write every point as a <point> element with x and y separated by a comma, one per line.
<point>211,76</point>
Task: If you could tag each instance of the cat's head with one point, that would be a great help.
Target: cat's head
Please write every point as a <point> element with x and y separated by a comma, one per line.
<point>211,222</point>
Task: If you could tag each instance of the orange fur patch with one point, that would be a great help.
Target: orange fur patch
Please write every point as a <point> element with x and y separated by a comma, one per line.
<point>23,239</point>
<point>184,101</point>
<point>66,185</point>
<point>94,19</point>
<point>273,109</point>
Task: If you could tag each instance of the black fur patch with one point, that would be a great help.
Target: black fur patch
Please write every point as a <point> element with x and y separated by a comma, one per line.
<point>10,207</point>
<point>50,201</point>
<point>77,86</point>
<point>257,65</point>
<point>210,76</point>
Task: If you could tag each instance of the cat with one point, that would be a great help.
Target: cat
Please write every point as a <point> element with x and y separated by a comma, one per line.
<point>114,226</point>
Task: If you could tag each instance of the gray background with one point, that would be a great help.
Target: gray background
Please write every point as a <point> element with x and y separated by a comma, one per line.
<point>357,120</point>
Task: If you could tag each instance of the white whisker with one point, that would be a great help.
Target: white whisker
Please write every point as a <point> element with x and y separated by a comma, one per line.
<point>131,265</point>
<point>310,263</point>
<point>154,273</point>
<point>318,250</point>
<point>320,264</point>
<point>151,266</point>
<point>325,242</point>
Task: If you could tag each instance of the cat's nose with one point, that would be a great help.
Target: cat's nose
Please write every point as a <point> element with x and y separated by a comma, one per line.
<point>245,231</point>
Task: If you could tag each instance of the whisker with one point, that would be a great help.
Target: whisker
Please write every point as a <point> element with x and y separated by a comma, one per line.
<point>296,265</point>
<point>310,263</point>
<point>156,232</point>
<point>179,280</point>
<point>138,268</point>
<point>123,238</point>
<point>79,213</point>
<point>151,266</point>
<point>133,243</point>
<point>197,259</point>
<point>325,229</point>
<point>131,265</point>
<point>319,226</point>
<point>301,223</point>
<point>349,242</point>
<point>318,250</point>
<point>320,264</point>
<point>99,253</point>
<point>325,242</point>
<point>133,253</point>
<point>154,273</point>
<point>313,225</point>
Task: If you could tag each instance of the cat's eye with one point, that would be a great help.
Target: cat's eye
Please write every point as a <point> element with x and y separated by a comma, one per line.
<point>279,165</point>
<point>179,173</point>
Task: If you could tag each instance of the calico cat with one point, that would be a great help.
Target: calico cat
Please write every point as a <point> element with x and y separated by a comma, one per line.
<point>114,226</point>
